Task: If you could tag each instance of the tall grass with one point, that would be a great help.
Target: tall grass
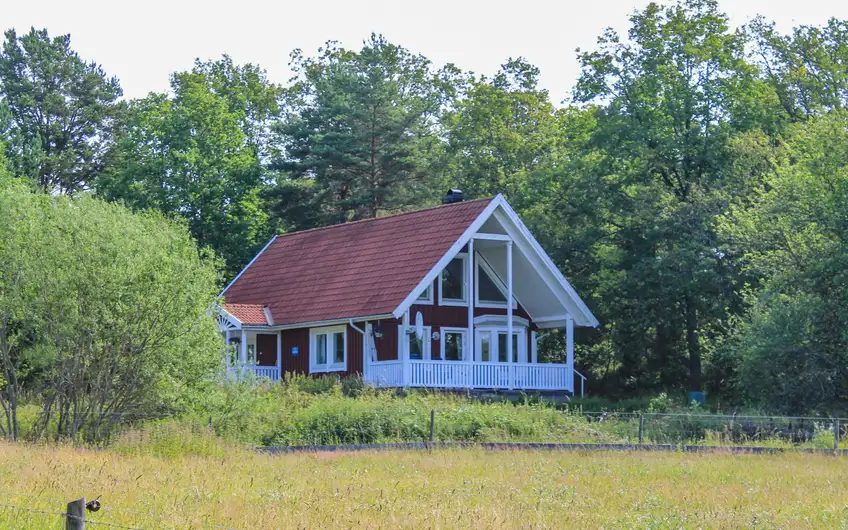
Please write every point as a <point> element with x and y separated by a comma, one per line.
<point>438,489</point>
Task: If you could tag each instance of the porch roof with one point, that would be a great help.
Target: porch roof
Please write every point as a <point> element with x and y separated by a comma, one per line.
<point>249,314</point>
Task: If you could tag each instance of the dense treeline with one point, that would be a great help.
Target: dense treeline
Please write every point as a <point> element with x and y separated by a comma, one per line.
<point>693,186</point>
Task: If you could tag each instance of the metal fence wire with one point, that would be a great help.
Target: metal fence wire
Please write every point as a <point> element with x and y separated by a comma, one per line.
<point>719,430</point>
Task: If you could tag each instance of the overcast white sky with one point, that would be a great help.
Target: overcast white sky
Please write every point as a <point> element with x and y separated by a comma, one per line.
<point>143,42</point>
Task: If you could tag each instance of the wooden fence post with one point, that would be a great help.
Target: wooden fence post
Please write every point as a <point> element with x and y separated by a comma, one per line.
<point>75,517</point>
<point>432,424</point>
<point>641,427</point>
<point>836,434</point>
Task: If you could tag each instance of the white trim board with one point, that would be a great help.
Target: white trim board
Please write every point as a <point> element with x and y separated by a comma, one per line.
<point>430,277</point>
<point>268,244</point>
<point>527,244</point>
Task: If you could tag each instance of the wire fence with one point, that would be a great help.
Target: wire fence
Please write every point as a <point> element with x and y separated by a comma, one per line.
<point>78,515</point>
<point>720,430</point>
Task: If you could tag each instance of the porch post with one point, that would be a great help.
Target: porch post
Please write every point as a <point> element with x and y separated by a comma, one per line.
<point>534,348</point>
<point>404,349</point>
<point>509,352</point>
<point>280,353</point>
<point>243,349</point>
<point>469,347</point>
<point>569,350</point>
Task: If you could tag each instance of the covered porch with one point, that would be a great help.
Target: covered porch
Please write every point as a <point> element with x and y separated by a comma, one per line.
<point>499,258</point>
<point>254,353</point>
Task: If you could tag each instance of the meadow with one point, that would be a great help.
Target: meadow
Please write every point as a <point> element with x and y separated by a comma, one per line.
<point>234,487</point>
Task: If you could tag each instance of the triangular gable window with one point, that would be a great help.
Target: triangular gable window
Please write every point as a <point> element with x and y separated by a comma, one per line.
<point>487,291</point>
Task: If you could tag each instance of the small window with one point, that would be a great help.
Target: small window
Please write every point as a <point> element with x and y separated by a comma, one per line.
<point>419,349</point>
<point>485,347</point>
<point>328,349</point>
<point>453,289</point>
<point>453,344</point>
<point>427,296</point>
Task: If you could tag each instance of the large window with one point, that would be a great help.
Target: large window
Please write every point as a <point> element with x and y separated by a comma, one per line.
<point>492,345</point>
<point>489,288</point>
<point>419,349</point>
<point>453,344</point>
<point>328,349</point>
<point>503,354</point>
<point>453,281</point>
<point>487,291</point>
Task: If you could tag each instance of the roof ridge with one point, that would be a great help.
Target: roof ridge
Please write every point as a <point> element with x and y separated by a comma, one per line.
<point>400,214</point>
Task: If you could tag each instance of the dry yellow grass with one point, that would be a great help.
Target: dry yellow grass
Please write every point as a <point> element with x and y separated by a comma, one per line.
<point>442,489</point>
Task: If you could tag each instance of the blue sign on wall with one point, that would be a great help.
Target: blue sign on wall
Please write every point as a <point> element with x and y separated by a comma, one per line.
<point>295,351</point>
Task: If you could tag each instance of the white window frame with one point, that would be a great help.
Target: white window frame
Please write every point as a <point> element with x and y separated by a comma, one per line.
<point>452,301</point>
<point>314,333</point>
<point>499,285</point>
<point>428,343</point>
<point>494,339</point>
<point>443,332</point>
<point>428,299</point>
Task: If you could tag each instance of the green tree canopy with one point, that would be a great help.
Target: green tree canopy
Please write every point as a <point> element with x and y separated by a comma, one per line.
<point>669,102</point>
<point>62,109</point>
<point>358,137</point>
<point>198,154</point>
<point>792,348</point>
<point>103,313</point>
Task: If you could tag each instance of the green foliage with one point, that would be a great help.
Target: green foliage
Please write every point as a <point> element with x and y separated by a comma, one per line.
<point>358,137</point>
<point>62,110</point>
<point>792,347</point>
<point>172,439</point>
<point>301,412</point>
<point>102,312</point>
<point>198,154</point>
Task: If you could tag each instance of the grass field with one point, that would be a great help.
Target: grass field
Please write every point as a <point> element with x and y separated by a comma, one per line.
<point>441,489</point>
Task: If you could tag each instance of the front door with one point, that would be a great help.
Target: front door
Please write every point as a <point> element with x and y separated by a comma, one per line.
<point>266,349</point>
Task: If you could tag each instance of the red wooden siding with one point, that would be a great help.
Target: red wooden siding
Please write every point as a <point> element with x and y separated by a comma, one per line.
<point>298,338</point>
<point>354,351</point>
<point>437,316</point>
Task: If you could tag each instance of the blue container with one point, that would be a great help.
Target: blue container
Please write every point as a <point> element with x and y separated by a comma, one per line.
<point>697,396</point>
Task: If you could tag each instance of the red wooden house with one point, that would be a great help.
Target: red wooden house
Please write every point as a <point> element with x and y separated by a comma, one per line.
<point>417,299</point>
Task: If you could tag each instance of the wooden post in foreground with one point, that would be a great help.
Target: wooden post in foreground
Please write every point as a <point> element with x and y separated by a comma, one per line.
<point>75,518</point>
<point>432,423</point>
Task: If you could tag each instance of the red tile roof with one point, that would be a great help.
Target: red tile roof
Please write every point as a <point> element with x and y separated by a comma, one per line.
<point>251,314</point>
<point>358,269</point>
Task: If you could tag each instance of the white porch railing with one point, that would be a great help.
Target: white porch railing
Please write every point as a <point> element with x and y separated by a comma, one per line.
<point>456,374</point>
<point>385,373</point>
<point>260,372</point>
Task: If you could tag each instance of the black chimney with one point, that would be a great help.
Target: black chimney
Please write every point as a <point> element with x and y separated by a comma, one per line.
<point>452,197</point>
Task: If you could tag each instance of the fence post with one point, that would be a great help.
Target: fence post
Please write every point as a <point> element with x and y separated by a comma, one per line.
<point>836,434</point>
<point>641,426</point>
<point>75,517</point>
<point>432,424</point>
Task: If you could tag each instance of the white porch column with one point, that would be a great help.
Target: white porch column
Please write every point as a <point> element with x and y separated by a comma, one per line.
<point>243,348</point>
<point>280,353</point>
<point>509,314</point>
<point>569,349</point>
<point>404,348</point>
<point>469,346</point>
<point>534,348</point>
